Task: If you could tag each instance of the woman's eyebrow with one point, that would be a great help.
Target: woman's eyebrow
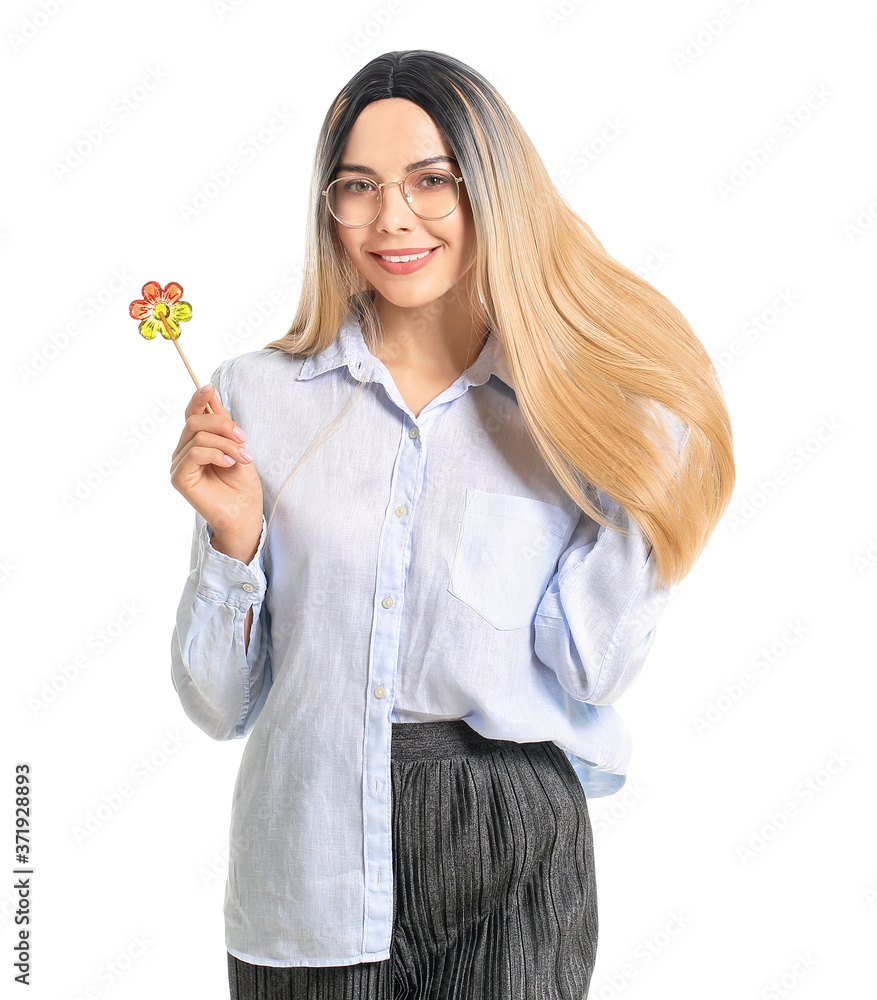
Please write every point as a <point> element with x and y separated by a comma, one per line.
<point>359,168</point>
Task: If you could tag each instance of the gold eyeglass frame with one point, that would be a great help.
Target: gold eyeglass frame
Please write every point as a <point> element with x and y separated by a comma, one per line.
<point>406,194</point>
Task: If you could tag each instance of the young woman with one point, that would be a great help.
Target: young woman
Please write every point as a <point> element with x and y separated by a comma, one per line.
<point>473,468</point>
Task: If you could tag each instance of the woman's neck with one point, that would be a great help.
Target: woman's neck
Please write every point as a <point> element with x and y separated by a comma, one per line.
<point>438,339</point>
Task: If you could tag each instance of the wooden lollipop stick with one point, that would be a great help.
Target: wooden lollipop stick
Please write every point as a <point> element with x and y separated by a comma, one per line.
<point>157,304</point>
<point>183,356</point>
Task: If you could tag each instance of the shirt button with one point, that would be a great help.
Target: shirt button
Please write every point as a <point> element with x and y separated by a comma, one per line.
<point>401,510</point>
<point>387,602</point>
<point>413,432</point>
<point>379,692</point>
<point>248,587</point>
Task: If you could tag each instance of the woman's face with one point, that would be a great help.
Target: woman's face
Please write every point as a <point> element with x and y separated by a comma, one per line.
<point>388,135</point>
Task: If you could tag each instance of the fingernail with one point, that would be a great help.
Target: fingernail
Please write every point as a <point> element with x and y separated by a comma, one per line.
<point>206,388</point>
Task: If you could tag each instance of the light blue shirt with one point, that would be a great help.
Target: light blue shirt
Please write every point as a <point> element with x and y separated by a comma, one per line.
<point>417,568</point>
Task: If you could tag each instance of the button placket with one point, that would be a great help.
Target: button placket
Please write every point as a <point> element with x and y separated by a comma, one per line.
<point>392,571</point>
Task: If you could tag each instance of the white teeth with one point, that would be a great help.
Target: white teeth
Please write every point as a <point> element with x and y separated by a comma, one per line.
<point>399,260</point>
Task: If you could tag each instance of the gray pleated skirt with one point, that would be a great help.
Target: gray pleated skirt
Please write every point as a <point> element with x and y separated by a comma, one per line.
<point>495,894</point>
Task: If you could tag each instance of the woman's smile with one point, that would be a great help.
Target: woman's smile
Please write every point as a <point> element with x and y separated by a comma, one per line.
<point>403,261</point>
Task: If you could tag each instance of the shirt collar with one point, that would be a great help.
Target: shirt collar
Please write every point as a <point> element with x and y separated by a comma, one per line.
<point>349,348</point>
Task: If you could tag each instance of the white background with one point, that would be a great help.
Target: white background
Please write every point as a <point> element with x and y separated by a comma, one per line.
<point>738,861</point>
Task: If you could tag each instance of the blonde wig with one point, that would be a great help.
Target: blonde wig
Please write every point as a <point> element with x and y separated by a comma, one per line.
<point>614,386</point>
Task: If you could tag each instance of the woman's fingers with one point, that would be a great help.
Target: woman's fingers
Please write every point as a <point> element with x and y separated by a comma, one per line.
<point>203,441</point>
<point>211,468</point>
<point>219,423</point>
<point>201,397</point>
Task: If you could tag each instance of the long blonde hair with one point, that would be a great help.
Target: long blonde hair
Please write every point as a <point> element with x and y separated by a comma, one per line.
<point>614,386</point>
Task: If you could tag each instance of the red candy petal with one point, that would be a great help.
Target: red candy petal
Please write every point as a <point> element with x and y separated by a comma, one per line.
<point>140,309</point>
<point>151,291</point>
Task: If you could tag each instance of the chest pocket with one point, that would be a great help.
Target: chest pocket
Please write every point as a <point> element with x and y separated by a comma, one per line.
<point>506,555</point>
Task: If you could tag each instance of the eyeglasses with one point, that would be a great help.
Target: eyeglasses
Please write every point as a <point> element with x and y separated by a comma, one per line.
<point>356,201</point>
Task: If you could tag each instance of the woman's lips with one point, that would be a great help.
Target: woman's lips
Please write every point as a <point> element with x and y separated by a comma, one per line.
<point>407,266</point>
<point>403,252</point>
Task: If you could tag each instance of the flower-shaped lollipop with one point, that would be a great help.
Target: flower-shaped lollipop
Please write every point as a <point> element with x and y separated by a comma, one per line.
<point>160,311</point>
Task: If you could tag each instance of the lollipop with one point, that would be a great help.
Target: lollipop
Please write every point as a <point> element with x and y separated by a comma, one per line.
<point>160,311</point>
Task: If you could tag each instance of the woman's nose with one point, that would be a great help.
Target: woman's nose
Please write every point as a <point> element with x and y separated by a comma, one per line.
<point>394,205</point>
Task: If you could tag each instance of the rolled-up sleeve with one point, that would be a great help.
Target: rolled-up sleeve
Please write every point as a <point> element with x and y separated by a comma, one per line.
<point>221,683</point>
<point>596,621</point>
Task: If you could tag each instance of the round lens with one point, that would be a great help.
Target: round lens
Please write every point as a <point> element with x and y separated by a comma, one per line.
<point>353,200</point>
<point>433,193</point>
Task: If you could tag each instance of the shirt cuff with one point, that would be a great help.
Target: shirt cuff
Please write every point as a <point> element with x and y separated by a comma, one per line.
<point>228,580</point>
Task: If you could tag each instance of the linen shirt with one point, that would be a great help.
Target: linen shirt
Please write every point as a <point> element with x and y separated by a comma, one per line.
<point>417,568</point>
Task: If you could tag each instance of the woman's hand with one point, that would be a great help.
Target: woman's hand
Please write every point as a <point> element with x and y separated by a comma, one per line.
<point>211,469</point>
